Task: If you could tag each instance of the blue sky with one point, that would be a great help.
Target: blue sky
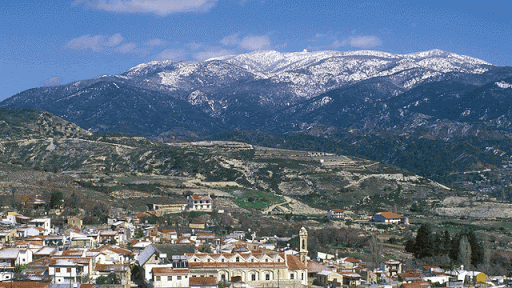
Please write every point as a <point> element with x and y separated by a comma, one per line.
<point>49,42</point>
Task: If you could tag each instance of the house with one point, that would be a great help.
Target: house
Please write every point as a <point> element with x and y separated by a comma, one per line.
<point>409,277</point>
<point>22,284</point>
<point>10,257</point>
<point>196,225</point>
<point>417,284</point>
<point>169,235</point>
<point>44,223</point>
<point>169,277</point>
<point>325,257</point>
<point>75,221</point>
<point>28,232</point>
<point>114,255</point>
<point>336,213</point>
<point>351,279</point>
<point>121,270</point>
<point>349,263</point>
<point>69,270</point>
<point>7,235</point>
<point>199,203</point>
<point>391,267</point>
<point>167,208</point>
<point>327,277</point>
<point>43,252</point>
<point>387,218</point>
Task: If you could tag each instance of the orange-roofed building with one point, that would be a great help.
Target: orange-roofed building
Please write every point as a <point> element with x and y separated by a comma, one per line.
<point>336,213</point>
<point>387,217</point>
<point>203,282</point>
<point>20,284</point>
<point>199,203</point>
<point>417,284</point>
<point>256,269</point>
<point>169,277</point>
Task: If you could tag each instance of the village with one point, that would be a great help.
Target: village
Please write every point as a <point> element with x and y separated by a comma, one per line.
<point>133,251</point>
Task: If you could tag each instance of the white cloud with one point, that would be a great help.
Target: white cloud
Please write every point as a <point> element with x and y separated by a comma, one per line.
<point>155,42</point>
<point>212,53</point>
<point>171,54</point>
<point>195,46</point>
<point>126,48</point>
<point>365,41</point>
<point>95,43</point>
<point>159,7</point>
<point>230,40</point>
<point>114,40</point>
<point>252,43</point>
<point>249,43</point>
<point>338,44</point>
<point>53,81</point>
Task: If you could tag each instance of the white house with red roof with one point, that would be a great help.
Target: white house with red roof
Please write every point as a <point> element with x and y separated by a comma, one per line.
<point>199,203</point>
<point>387,217</point>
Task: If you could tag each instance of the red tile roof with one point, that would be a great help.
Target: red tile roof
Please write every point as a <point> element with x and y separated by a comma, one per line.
<point>338,210</point>
<point>417,284</point>
<point>390,215</point>
<point>294,263</point>
<point>168,271</point>
<point>18,284</point>
<point>201,281</point>
<point>200,197</point>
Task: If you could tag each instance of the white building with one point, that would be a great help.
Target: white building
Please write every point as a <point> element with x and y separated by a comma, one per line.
<point>44,223</point>
<point>169,277</point>
<point>199,203</point>
<point>69,270</point>
<point>10,257</point>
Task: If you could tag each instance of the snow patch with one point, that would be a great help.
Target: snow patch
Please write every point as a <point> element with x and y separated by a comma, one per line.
<point>504,85</point>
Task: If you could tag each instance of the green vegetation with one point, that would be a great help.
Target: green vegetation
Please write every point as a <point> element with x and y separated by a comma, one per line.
<point>254,199</point>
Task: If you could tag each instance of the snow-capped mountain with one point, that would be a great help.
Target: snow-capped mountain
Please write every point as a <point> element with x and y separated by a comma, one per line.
<point>261,90</point>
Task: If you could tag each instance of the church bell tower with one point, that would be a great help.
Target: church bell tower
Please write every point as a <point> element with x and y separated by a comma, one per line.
<point>303,249</point>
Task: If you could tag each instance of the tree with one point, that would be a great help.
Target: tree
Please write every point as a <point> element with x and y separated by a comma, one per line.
<point>424,246</point>
<point>446,242</point>
<point>477,251</point>
<point>111,278</point>
<point>18,268</point>
<point>464,254</point>
<point>56,200</point>
<point>410,246</point>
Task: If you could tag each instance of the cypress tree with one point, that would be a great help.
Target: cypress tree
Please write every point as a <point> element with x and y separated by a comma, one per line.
<point>446,242</point>
<point>477,251</point>
<point>424,245</point>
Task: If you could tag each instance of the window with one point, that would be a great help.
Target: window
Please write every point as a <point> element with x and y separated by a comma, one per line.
<point>301,276</point>
<point>68,270</point>
<point>158,278</point>
<point>266,260</point>
<point>267,277</point>
<point>237,259</point>
<point>292,276</point>
<point>179,277</point>
<point>252,260</point>
<point>253,277</point>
